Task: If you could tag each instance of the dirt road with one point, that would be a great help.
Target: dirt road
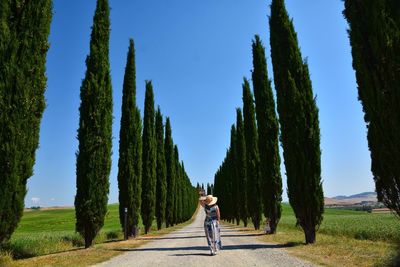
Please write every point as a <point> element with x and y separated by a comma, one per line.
<point>188,247</point>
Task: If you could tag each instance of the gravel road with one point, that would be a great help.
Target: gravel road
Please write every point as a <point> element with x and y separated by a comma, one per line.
<point>188,247</point>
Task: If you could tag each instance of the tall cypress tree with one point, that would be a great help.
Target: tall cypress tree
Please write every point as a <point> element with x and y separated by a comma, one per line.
<point>375,40</point>
<point>22,86</point>
<point>182,193</point>
<point>229,177</point>
<point>149,181</point>
<point>185,199</point>
<point>169,160</point>
<point>177,204</point>
<point>298,116</point>
<point>130,149</point>
<point>161,171</point>
<point>93,162</point>
<point>268,134</point>
<point>250,134</point>
<point>241,166</point>
<point>234,176</point>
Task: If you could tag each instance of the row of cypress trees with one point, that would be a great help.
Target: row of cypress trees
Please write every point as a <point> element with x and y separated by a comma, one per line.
<point>152,181</point>
<point>252,161</point>
<point>374,36</point>
<point>149,167</point>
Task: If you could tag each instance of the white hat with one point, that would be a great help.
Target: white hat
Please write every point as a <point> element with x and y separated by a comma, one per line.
<point>211,200</point>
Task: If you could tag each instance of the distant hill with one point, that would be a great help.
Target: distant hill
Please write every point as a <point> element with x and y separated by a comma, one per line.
<point>360,195</point>
<point>352,200</point>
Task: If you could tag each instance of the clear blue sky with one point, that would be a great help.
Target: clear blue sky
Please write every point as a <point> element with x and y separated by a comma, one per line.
<point>196,53</point>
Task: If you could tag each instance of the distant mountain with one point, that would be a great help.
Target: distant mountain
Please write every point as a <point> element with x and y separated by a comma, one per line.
<point>352,200</point>
<point>360,195</point>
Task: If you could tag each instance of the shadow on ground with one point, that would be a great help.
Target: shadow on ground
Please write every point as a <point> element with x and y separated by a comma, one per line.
<point>204,248</point>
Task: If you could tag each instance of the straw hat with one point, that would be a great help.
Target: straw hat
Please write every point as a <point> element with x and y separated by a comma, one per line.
<point>211,200</point>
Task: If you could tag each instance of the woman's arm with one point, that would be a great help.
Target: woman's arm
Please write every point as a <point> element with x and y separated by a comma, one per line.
<point>218,215</point>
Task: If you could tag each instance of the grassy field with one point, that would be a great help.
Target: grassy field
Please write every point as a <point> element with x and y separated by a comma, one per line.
<point>47,238</point>
<point>353,224</point>
<point>345,238</point>
<point>51,231</point>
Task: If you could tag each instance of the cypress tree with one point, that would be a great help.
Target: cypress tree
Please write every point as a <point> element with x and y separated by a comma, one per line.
<point>130,149</point>
<point>298,116</point>
<point>177,204</point>
<point>185,199</point>
<point>161,171</point>
<point>375,40</point>
<point>182,193</point>
<point>169,161</point>
<point>22,86</point>
<point>229,177</point>
<point>250,134</point>
<point>208,189</point>
<point>234,175</point>
<point>149,181</point>
<point>241,166</point>
<point>217,188</point>
<point>93,162</point>
<point>268,131</point>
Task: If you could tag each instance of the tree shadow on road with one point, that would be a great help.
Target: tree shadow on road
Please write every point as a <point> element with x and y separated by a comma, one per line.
<point>204,248</point>
<point>188,232</point>
<point>191,254</point>
<point>224,229</point>
<point>174,237</point>
<point>239,235</point>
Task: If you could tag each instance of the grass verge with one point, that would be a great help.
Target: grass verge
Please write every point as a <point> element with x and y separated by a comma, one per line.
<point>46,238</point>
<point>345,238</point>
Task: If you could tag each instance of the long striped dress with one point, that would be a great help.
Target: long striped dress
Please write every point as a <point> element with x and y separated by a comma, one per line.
<point>211,228</point>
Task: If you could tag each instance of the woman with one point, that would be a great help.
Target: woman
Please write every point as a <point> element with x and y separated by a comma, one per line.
<point>211,223</point>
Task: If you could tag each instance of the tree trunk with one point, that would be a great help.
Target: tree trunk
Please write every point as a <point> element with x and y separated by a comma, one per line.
<point>88,241</point>
<point>272,225</point>
<point>135,231</point>
<point>310,235</point>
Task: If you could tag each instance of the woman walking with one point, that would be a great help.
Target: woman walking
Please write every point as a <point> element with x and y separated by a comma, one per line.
<point>211,223</point>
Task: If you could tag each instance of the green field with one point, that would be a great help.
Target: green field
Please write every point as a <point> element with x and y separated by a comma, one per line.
<point>345,238</point>
<point>42,232</point>
<point>354,224</point>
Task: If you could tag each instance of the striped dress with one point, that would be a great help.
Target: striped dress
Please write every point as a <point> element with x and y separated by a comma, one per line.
<point>211,228</point>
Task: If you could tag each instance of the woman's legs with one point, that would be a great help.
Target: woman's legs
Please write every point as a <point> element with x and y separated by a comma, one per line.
<point>217,236</point>
<point>208,231</point>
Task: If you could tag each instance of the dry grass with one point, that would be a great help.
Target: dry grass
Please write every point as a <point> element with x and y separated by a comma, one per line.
<point>334,250</point>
